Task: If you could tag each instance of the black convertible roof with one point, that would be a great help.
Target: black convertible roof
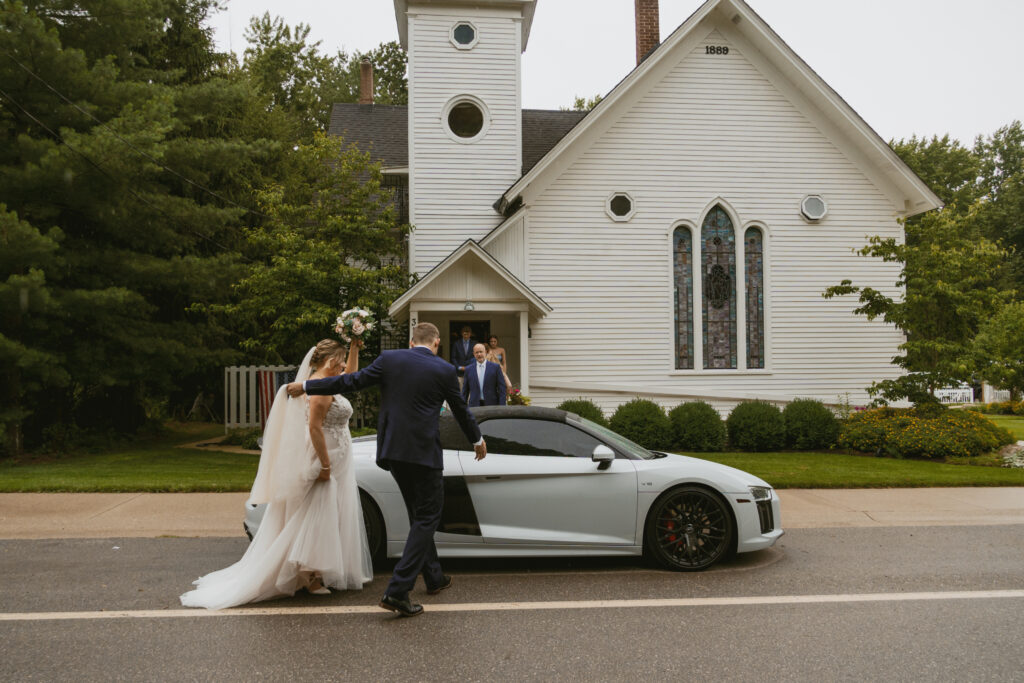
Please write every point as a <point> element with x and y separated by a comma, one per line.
<point>453,439</point>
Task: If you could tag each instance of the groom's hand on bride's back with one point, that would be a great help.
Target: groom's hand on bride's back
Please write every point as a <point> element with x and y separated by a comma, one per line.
<point>295,389</point>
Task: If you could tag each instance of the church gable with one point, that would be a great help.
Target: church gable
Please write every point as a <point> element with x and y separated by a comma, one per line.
<point>469,279</point>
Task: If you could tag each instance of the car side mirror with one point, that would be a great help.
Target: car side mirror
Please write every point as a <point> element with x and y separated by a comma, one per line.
<point>603,456</point>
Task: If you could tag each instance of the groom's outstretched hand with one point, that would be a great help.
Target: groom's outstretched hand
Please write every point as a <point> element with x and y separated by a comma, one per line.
<point>295,389</point>
<point>481,450</point>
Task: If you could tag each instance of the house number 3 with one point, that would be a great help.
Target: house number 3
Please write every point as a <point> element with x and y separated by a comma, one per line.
<point>716,50</point>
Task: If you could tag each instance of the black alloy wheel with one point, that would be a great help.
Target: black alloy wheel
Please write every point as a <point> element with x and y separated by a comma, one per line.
<point>374,523</point>
<point>688,529</point>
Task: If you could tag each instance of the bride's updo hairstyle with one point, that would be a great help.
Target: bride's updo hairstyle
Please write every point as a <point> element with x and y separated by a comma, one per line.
<point>325,350</point>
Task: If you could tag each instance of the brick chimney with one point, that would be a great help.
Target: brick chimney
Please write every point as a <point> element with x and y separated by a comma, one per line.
<point>366,82</point>
<point>648,34</point>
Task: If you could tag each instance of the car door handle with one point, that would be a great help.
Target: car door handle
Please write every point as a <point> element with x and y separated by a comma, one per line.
<point>492,476</point>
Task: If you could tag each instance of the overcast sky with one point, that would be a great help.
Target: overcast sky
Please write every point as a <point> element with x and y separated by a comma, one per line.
<point>906,66</point>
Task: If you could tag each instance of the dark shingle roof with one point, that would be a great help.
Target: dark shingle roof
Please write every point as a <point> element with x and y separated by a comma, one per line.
<point>383,130</point>
<point>380,129</point>
<point>542,129</point>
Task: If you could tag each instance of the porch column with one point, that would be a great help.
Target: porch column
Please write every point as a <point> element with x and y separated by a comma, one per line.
<point>524,352</point>
<point>414,319</point>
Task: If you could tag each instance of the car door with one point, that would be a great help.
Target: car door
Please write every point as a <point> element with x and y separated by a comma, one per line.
<point>458,519</point>
<point>538,484</point>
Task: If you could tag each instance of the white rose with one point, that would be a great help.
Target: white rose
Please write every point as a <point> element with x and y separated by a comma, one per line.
<point>358,327</point>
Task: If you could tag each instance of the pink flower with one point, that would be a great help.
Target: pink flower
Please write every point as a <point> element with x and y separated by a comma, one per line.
<point>358,327</point>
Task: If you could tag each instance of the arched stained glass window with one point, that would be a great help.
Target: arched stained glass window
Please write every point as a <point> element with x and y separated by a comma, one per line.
<point>753,254</point>
<point>718,278</point>
<point>682,278</point>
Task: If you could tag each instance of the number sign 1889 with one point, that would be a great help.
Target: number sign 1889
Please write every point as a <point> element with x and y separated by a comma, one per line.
<point>716,50</point>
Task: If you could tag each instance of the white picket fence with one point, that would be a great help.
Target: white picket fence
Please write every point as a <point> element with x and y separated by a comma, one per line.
<point>955,395</point>
<point>241,394</point>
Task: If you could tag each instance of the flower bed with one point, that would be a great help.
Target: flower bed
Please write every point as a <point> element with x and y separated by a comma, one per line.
<point>922,433</point>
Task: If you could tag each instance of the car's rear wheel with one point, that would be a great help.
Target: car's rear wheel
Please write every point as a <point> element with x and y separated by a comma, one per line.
<point>376,536</point>
<point>689,528</point>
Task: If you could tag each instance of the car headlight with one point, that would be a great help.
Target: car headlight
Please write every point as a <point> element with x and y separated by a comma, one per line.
<point>761,492</point>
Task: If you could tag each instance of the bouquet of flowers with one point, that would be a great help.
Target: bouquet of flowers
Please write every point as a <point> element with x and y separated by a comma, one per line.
<point>354,323</point>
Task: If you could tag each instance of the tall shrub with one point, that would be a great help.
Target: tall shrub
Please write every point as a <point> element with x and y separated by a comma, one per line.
<point>809,424</point>
<point>697,426</point>
<point>585,408</point>
<point>756,426</point>
<point>643,421</point>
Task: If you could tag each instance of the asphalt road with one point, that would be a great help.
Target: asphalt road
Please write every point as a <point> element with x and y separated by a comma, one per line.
<point>826,604</point>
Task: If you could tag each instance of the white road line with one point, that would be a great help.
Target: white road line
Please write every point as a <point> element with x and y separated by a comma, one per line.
<point>519,606</point>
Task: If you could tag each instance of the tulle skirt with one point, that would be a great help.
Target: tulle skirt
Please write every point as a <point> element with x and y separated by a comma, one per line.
<point>320,531</point>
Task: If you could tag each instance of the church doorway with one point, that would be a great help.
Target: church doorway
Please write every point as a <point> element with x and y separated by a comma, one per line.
<point>481,329</point>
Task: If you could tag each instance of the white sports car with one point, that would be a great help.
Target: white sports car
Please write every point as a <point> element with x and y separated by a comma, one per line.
<point>555,484</point>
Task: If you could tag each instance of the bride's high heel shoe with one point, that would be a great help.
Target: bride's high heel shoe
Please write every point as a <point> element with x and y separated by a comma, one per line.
<point>317,587</point>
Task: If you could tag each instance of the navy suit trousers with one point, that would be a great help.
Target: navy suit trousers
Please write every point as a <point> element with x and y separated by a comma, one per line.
<point>423,491</point>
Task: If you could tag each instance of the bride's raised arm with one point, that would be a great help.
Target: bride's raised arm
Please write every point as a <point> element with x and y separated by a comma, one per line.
<point>352,363</point>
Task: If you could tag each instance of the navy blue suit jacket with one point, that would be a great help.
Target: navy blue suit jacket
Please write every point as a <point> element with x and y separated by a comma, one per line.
<point>462,357</point>
<point>414,384</point>
<point>493,392</point>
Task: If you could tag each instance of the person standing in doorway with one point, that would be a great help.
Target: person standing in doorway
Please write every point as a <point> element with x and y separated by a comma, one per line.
<point>462,350</point>
<point>485,383</point>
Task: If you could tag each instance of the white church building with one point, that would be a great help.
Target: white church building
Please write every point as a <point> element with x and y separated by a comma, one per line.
<point>673,243</point>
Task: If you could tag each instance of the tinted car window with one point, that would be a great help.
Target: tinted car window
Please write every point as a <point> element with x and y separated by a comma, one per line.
<point>537,437</point>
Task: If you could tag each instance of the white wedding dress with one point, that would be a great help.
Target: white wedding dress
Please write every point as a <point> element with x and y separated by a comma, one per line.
<point>309,526</point>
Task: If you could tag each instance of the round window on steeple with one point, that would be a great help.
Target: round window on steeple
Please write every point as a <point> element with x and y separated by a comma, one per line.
<point>465,119</point>
<point>463,35</point>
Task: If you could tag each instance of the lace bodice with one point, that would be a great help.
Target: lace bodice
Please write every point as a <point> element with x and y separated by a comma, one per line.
<point>336,422</point>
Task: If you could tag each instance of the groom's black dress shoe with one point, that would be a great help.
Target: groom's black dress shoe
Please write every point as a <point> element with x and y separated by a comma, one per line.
<point>404,606</point>
<point>446,582</point>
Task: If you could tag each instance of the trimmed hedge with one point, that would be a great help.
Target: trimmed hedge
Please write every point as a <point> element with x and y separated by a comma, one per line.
<point>902,433</point>
<point>756,426</point>
<point>809,425</point>
<point>696,426</point>
<point>1001,408</point>
<point>644,422</point>
<point>585,408</point>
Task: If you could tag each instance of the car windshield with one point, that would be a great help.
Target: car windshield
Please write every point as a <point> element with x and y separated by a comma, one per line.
<point>617,440</point>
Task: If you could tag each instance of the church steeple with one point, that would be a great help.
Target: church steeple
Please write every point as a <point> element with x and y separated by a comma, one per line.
<point>465,122</point>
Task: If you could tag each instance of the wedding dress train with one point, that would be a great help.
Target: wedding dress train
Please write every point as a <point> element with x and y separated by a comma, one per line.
<point>309,526</point>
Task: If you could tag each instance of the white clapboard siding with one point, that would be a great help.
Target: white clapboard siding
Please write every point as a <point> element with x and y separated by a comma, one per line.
<point>715,126</point>
<point>454,185</point>
<point>508,245</point>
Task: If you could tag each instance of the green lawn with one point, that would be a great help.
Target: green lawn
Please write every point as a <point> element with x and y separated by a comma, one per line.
<point>1014,423</point>
<point>837,470</point>
<point>150,464</point>
<point>153,464</point>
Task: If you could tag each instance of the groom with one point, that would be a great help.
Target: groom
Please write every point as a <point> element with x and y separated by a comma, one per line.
<point>414,384</point>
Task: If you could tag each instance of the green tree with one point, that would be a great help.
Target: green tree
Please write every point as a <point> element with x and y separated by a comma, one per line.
<point>948,168</point>
<point>330,242</point>
<point>583,104</point>
<point>951,281</point>
<point>1002,182</point>
<point>998,350</point>
<point>130,146</point>
<point>298,79</point>
<point>27,257</point>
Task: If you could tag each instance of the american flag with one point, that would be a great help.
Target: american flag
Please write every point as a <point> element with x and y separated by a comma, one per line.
<point>269,381</point>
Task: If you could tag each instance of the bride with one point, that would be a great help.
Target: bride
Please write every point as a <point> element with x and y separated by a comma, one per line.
<point>312,533</point>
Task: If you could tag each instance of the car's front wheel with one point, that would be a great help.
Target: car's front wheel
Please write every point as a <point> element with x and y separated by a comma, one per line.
<point>689,528</point>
